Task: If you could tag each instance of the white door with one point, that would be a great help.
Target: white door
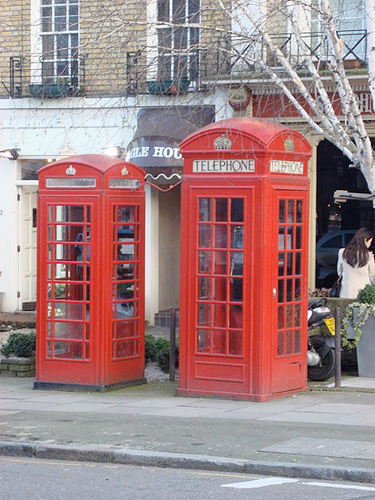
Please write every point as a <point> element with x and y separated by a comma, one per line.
<point>28,244</point>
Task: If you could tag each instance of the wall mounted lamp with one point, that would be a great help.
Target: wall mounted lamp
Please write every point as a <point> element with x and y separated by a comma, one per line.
<point>11,154</point>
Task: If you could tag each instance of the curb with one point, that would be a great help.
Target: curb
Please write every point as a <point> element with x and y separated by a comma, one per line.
<point>184,461</point>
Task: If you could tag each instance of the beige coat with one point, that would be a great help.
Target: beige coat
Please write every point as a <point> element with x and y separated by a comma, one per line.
<point>354,278</point>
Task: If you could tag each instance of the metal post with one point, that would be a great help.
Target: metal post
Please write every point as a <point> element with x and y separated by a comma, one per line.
<point>337,347</point>
<point>172,349</point>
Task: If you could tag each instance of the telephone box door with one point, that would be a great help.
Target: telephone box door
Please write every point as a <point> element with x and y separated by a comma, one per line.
<point>220,246</point>
<point>67,305</point>
<point>127,268</point>
<point>289,340</point>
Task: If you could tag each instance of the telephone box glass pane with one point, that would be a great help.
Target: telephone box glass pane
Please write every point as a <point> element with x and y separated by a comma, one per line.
<point>204,260</point>
<point>220,262</point>
<point>221,210</point>
<point>205,209</point>
<point>237,211</point>
<point>204,236</point>
<point>220,236</point>
<point>68,285</point>
<point>218,342</point>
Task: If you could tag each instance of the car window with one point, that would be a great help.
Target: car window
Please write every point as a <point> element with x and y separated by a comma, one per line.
<point>334,242</point>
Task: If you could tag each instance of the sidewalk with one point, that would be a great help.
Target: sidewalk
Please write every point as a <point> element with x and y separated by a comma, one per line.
<point>319,434</point>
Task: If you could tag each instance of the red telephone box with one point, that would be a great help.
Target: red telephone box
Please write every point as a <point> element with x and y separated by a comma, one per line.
<point>244,226</point>
<point>90,300</point>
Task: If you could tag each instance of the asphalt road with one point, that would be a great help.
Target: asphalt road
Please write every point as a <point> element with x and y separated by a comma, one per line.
<point>32,479</point>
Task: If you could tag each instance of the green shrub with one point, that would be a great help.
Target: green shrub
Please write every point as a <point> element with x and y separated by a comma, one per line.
<point>21,345</point>
<point>367,295</point>
<point>157,349</point>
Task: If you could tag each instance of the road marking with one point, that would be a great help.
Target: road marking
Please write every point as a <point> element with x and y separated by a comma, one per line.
<point>342,486</point>
<point>260,483</point>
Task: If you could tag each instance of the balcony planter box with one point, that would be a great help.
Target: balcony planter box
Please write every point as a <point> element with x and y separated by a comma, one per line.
<point>167,86</point>
<point>49,89</point>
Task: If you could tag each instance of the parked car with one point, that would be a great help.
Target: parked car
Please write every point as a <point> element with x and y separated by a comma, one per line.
<point>327,249</point>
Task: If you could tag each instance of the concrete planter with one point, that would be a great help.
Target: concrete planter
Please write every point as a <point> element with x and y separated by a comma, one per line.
<point>366,349</point>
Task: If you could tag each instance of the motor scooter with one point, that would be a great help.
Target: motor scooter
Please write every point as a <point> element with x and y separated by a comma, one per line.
<point>320,348</point>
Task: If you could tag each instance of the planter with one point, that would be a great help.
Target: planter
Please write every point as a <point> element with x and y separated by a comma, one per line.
<point>167,86</point>
<point>366,349</point>
<point>49,90</point>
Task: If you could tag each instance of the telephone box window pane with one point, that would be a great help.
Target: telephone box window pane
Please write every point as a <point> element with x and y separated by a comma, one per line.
<point>236,212</point>
<point>68,233</point>
<point>282,211</point>
<point>297,341</point>
<point>290,240</point>
<point>49,233</point>
<point>204,260</point>
<point>281,317</point>
<point>49,329</point>
<point>219,315</point>
<point>66,310</point>
<point>203,341</point>
<point>236,263</point>
<point>123,310</point>
<point>125,252</point>
<point>281,291</point>
<point>220,289</point>
<point>289,290</point>
<point>125,272</point>
<point>125,290</point>
<point>126,329</point>
<point>204,288</point>
<point>297,315</point>
<point>281,263</point>
<point>50,213</point>
<point>236,237</point>
<point>220,236</point>
<point>289,316</point>
<point>280,343</point>
<point>204,210</point>
<point>204,236</point>
<point>297,289</point>
<point>49,271</point>
<point>67,350</point>
<point>67,213</point>
<point>125,233</point>
<point>221,209</point>
<point>235,316</point>
<point>218,342</point>
<point>220,262</point>
<point>68,330</point>
<point>289,347</point>
<point>299,211</point>
<point>204,314</point>
<point>235,343</point>
<point>125,214</point>
<point>125,349</point>
<point>49,349</point>
<point>289,264</point>
<point>291,211</point>
<point>298,237</point>
<point>281,238</point>
<point>236,290</point>
<point>298,262</point>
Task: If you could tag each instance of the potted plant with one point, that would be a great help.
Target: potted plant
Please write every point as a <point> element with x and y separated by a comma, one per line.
<point>359,330</point>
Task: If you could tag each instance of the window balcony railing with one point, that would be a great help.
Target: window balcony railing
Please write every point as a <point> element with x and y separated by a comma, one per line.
<point>245,53</point>
<point>69,83</point>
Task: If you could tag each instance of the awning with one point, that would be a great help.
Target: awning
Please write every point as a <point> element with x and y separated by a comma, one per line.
<point>156,143</point>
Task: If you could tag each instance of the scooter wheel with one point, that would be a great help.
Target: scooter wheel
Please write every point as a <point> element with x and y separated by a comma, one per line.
<point>326,368</point>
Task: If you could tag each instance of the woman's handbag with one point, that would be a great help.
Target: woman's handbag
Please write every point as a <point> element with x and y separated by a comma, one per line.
<point>336,288</point>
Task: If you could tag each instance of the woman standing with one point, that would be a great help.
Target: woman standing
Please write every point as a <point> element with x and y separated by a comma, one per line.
<point>356,264</point>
